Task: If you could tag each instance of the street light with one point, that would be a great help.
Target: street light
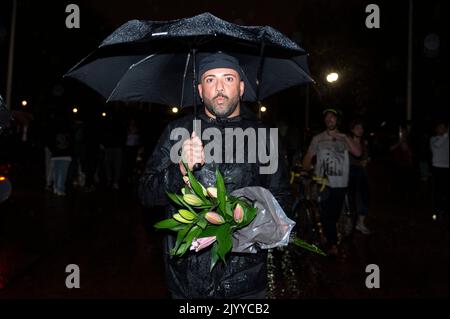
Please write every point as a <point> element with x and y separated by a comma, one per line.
<point>332,77</point>
<point>175,110</point>
<point>263,109</point>
<point>24,103</point>
<point>104,114</point>
<point>75,110</point>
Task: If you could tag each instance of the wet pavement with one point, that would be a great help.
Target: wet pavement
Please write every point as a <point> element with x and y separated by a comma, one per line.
<point>110,237</point>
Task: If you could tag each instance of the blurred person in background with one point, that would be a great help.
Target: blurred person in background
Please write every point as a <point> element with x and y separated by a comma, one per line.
<point>358,180</point>
<point>439,150</point>
<point>331,149</point>
<point>61,154</point>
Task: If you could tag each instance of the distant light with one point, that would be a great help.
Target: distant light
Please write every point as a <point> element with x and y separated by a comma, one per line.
<point>263,109</point>
<point>372,134</point>
<point>434,217</point>
<point>383,124</point>
<point>75,110</point>
<point>2,178</point>
<point>104,114</point>
<point>175,110</point>
<point>24,103</point>
<point>332,77</point>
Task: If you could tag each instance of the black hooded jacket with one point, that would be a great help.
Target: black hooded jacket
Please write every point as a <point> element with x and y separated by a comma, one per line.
<point>189,276</point>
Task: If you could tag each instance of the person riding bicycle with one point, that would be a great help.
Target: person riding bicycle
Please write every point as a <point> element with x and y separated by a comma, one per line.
<point>331,150</point>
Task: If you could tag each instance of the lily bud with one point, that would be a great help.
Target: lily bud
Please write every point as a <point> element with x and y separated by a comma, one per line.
<point>214,218</point>
<point>186,214</point>
<point>212,192</point>
<point>238,214</point>
<point>186,181</point>
<point>181,219</point>
<point>205,193</point>
<point>200,243</point>
<point>192,199</point>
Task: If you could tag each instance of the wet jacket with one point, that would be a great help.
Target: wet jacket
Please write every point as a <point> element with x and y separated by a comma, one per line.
<point>189,276</point>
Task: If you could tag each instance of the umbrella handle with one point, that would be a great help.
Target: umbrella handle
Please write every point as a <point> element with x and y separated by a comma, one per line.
<point>196,166</point>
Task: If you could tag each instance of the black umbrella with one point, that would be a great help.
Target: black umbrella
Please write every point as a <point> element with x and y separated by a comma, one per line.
<point>153,61</point>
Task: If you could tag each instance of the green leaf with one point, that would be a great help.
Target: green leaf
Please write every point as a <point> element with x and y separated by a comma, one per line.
<point>194,233</point>
<point>303,244</point>
<point>228,209</point>
<point>197,187</point>
<point>186,242</point>
<point>207,207</point>
<point>179,227</point>
<point>167,224</point>
<point>186,190</point>
<point>183,248</point>
<point>180,237</point>
<point>202,223</point>
<point>224,240</point>
<point>174,198</point>
<point>221,191</point>
<point>209,231</point>
<point>249,215</point>
<point>214,256</point>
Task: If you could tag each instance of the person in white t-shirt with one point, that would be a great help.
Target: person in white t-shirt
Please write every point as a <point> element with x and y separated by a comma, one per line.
<point>331,149</point>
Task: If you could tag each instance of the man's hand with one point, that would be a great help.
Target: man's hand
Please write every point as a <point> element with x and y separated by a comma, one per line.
<point>192,152</point>
<point>354,147</point>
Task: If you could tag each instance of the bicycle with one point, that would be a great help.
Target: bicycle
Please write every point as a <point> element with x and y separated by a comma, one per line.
<point>307,189</point>
<point>307,212</point>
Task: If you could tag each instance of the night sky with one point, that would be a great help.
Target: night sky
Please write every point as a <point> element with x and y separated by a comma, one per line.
<point>372,63</point>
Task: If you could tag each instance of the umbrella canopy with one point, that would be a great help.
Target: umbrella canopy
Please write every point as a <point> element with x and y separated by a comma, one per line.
<point>153,61</point>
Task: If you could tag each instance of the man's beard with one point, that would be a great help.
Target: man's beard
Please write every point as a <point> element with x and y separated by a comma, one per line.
<point>230,105</point>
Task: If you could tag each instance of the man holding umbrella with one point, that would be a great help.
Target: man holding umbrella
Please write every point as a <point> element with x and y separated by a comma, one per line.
<point>220,87</point>
<point>155,61</point>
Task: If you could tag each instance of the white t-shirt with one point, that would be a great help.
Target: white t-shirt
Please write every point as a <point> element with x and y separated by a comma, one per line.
<point>332,159</point>
<point>439,148</point>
